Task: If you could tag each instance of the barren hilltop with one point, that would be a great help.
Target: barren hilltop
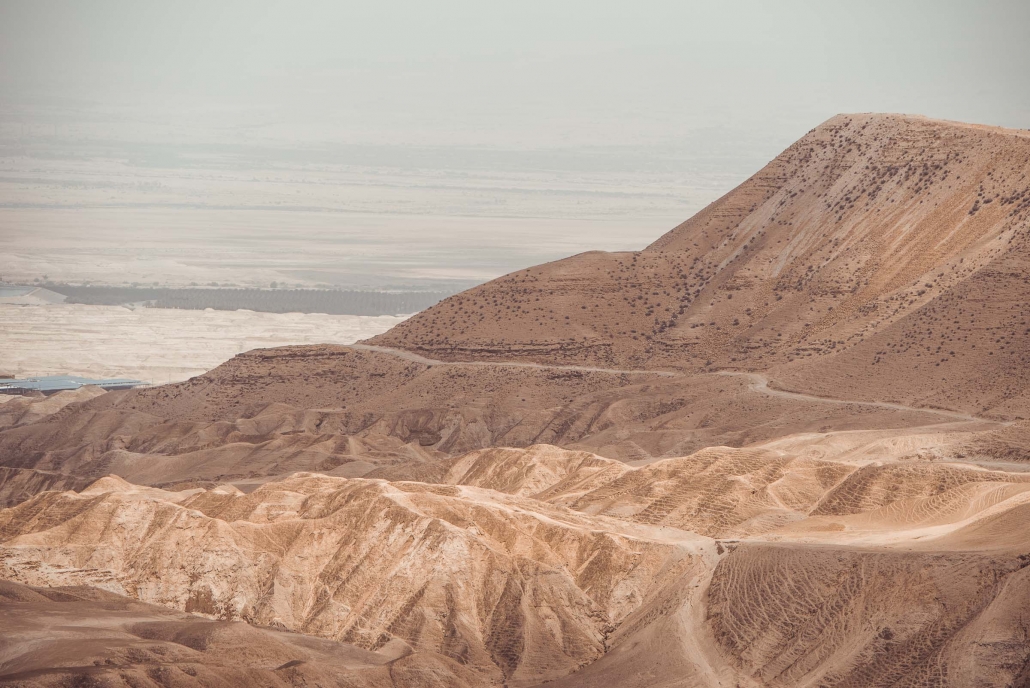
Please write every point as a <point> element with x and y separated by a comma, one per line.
<point>783,445</point>
<point>869,234</point>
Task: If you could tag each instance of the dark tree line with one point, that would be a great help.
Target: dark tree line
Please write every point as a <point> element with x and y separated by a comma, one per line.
<point>329,301</point>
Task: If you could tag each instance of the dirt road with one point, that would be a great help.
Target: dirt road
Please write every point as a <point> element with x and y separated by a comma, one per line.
<point>759,382</point>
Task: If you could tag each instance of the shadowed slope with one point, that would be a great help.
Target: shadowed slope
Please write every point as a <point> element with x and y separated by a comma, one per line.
<point>105,639</point>
<point>541,471</point>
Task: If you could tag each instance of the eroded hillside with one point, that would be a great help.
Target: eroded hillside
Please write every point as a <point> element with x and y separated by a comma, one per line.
<point>522,566</point>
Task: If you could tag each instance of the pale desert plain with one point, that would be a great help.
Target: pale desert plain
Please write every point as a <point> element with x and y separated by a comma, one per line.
<point>157,345</point>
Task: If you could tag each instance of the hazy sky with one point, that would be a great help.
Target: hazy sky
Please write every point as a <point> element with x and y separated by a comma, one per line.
<point>528,74</point>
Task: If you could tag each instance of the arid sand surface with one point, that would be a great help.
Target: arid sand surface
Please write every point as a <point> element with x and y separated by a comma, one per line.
<point>157,345</point>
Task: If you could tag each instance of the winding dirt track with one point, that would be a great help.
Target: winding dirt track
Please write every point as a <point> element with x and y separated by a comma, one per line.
<point>408,356</point>
<point>759,382</point>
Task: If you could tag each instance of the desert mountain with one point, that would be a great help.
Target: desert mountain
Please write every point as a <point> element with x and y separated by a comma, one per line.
<point>880,259</point>
<point>873,245</point>
<point>783,445</point>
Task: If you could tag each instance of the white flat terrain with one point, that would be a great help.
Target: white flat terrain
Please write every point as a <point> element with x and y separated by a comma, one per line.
<point>157,345</point>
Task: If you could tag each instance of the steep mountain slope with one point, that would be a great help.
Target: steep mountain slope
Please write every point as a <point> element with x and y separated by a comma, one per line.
<point>965,349</point>
<point>864,222</point>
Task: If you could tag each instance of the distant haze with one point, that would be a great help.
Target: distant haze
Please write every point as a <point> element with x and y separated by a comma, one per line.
<point>538,117</point>
<point>512,74</point>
